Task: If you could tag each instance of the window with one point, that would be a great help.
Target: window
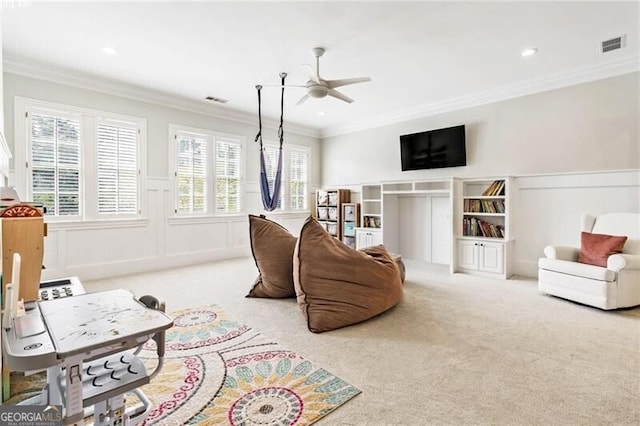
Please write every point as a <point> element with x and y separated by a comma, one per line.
<point>117,168</point>
<point>228,154</point>
<point>298,178</point>
<point>295,175</point>
<point>208,171</point>
<point>55,163</point>
<point>80,164</point>
<point>191,174</point>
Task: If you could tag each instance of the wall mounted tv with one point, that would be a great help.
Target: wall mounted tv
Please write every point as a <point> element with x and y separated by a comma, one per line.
<point>433,149</point>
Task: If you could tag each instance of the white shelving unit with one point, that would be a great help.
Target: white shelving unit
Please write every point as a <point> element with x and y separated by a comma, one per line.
<point>370,231</point>
<point>483,236</point>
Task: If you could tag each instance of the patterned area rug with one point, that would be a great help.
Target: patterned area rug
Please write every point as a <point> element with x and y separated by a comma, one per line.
<point>219,371</point>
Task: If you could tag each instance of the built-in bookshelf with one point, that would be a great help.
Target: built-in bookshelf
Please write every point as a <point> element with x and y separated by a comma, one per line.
<point>350,221</point>
<point>484,243</point>
<point>484,209</point>
<point>371,206</point>
<point>329,209</point>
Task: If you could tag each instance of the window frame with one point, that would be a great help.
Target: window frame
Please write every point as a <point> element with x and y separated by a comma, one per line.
<point>173,148</point>
<point>212,138</point>
<point>88,161</point>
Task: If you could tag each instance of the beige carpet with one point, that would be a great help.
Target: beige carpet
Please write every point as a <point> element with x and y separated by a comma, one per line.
<point>459,350</point>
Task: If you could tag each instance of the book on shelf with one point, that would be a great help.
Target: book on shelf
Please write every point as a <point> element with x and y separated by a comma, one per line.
<point>483,206</point>
<point>495,189</point>
<point>474,227</point>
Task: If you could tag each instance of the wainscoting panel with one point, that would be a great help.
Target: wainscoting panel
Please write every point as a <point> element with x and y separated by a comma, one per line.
<point>548,208</point>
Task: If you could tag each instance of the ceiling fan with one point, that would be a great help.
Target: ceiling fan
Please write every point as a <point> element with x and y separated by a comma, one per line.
<point>317,87</point>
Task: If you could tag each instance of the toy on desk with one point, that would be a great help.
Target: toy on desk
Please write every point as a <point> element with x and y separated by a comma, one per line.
<point>13,307</point>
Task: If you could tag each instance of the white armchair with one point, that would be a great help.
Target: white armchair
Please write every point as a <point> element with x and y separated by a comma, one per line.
<point>615,286</point>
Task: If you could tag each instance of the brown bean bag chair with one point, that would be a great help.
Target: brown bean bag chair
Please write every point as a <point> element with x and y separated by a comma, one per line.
<point>337,286</point>
<point>272,247</point>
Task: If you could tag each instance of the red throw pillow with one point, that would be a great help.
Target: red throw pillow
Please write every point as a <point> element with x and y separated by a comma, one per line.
<point>596,248</point>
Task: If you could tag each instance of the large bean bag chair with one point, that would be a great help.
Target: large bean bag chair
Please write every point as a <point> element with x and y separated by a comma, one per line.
<point>337,286</point>
<point>272,248</point>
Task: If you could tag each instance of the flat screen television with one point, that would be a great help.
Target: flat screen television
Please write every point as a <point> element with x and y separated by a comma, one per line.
<point>434,149</point>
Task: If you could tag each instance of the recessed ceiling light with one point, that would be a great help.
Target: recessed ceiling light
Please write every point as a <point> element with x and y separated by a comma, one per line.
<point>109,50</point>
<point>529,51</point>
<point>321,113</point>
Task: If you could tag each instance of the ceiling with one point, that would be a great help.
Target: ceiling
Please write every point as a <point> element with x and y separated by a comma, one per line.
<point>422,57</point>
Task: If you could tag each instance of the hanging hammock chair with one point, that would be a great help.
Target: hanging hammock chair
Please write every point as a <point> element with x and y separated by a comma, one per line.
<point>270,198</point>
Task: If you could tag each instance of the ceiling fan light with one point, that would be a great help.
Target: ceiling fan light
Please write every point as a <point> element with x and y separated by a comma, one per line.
<point>318,92</point>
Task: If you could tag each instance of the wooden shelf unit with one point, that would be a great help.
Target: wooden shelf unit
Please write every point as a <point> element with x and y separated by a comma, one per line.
<point>328,209</point>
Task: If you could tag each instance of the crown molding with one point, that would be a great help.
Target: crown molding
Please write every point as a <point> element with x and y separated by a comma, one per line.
<point>28,68</point>
<point>557,81</point>
<point>21,66</point>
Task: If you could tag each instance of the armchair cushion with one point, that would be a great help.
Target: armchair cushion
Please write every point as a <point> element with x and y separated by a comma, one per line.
<point>595,249</point>
<point>577,269</point>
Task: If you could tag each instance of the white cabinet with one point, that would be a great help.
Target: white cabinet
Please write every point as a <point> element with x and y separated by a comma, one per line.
<point>366,237</point>
<point>482,256</point>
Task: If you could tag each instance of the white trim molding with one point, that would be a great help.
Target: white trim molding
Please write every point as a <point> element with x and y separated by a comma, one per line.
<point>29,68</point>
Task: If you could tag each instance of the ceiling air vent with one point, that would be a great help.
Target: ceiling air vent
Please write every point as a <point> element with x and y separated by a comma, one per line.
<point>613,44</point>
<point>218,100</point>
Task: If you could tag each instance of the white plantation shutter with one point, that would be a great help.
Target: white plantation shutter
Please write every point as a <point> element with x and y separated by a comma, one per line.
<point>117,168</point>
<point>298,178</point>
<point>228,155</point>
<point>55,163</point>
<point>191,173</point>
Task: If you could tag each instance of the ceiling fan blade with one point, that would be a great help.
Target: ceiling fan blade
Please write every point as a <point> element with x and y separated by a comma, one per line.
<point>344,81</point>
<point>302,99</point>
<point>338,95</point>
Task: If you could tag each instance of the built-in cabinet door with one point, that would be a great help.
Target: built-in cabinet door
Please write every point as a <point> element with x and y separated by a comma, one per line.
<point>368,238</point>
<point>468,254</point>
<point>491,257</point>
<point>376,238</point>
<point>481,256</point>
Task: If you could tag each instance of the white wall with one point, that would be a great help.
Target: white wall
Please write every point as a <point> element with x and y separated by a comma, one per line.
<point>591,126</point>
<point>573,150</point>
<point>157,241</point>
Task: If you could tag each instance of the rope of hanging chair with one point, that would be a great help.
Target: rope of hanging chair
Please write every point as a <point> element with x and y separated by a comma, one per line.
<point>270,200</point>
